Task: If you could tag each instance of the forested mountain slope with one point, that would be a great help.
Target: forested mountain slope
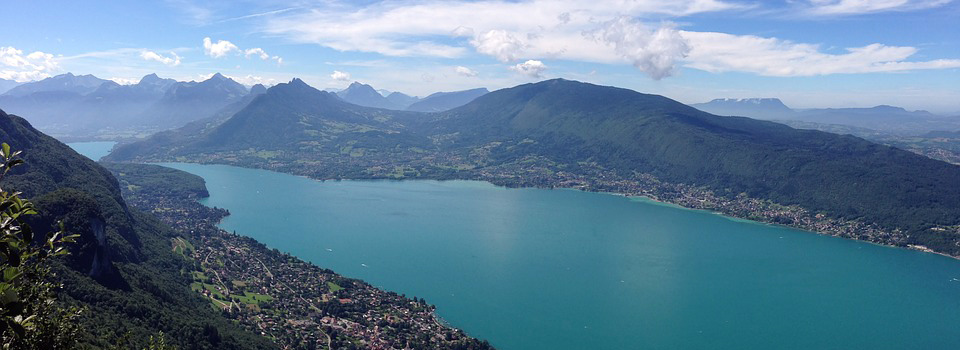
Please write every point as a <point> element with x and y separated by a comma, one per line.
<point>122,269</point>
<point>561,127</point>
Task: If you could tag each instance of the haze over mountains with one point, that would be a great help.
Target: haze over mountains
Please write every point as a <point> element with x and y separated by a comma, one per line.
<point>883,118</point>
<point>442,101</point>
<point>6,85</point>
<point>86,107</point>
<point>559,126</point>
<point>365,95</point>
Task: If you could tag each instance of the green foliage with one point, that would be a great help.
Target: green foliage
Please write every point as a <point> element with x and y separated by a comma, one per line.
<point>28,317</point>
<point>122,270</point>
<point>155,180</point>
<point>159,342</point>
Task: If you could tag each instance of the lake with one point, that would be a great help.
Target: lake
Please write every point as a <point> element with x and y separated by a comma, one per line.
<point>93,150</point>
<point>563,269</point>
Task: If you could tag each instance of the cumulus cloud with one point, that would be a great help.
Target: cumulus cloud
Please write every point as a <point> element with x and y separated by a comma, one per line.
<point>257,52</point>
<point>589,31</point>
<point>250,80</point>
<point>219,49</point>
<point>464,71</point>
<point>720,52</point>
<point>498,43</point>
<point>14,65</point>
<point>530,68</point>
<point>340,76</point>
<point>173,60</point>
<point>655,52</point>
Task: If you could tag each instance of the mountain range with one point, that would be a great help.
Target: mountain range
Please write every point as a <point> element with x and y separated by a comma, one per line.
<point>6,85</point>
<point>79,84</point>
<point>85,106</point>
<point>534,134</point>
<point>365,95</point>
<point>886,119</point>
<point>443,101</point>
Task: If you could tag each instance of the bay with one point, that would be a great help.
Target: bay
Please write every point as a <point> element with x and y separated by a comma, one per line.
<point>94,149</point>
<point>563,269</point>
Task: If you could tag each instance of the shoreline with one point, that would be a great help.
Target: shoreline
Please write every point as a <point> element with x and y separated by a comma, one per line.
<point>651,199</point>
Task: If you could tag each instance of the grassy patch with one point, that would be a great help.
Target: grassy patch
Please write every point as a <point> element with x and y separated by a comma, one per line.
<point>253,298</point>
<point>333,287</point>
<point>200,276</point>
<point>183,247</point>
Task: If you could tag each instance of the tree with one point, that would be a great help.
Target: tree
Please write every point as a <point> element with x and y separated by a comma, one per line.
<point>29,315</point>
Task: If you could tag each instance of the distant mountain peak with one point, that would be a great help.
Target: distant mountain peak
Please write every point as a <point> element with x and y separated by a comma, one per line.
<point>258,89</point>
<point>80,84</point>
<point>297,81</point>
<point>365,95</point>
<point>442,101</point>
<point>754,107</point>
<point>149,78</point>
<point>889,108</point>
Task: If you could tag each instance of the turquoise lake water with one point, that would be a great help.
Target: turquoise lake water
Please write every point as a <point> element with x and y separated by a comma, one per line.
<point>93,150</point>
<point>562,269</point>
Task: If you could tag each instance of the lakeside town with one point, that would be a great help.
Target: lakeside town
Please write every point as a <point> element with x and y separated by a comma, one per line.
<point>294,303</point>
<point>543,172</point>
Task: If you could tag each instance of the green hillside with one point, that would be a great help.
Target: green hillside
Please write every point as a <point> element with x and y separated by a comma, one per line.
<point>122,269</point>
<point>546,133</point>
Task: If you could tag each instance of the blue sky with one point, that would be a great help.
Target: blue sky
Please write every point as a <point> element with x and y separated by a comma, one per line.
<point>810,53</point>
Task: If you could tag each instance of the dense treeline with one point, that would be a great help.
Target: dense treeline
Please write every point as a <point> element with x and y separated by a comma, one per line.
<point>159,180</point>
<point>122,270</point>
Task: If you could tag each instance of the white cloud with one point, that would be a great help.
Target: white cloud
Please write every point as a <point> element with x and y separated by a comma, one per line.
<point>606,32</point>
<point>219,49</point>
<point>34,66</point>
<point>530,68</point>
<point>854,7</point>
<point>256,52</point>
<point>497,28</point>
<point>464,71</point>
<point>250,80</point>
<point>340,76</point>
<point>173,60</point>
<point>125,81</point>
<point>720,52</point>
<point>498,43</point>
<point>461,32</point>
<point>655,52</point>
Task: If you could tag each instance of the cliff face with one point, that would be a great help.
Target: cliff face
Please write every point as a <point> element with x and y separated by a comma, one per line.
<point>101,266</point>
